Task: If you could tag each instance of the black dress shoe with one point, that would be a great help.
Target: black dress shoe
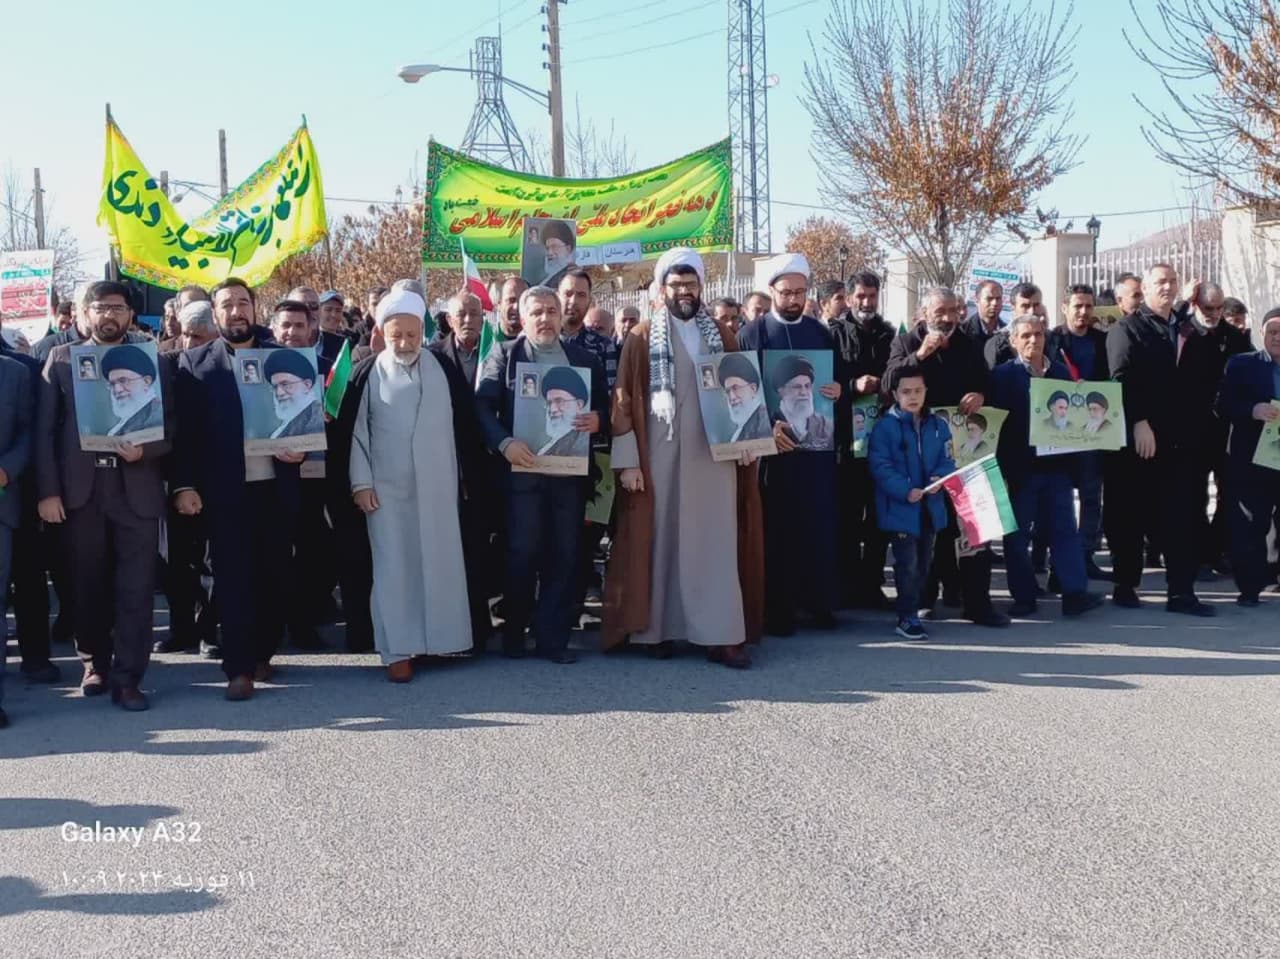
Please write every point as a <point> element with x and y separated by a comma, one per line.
<point>307,640</point>
<point>990,617</point>
<point>512,650</point>
<point>781,629</point>
<point>1093,571</point>
<point>48,673</point>
<point>1248,600</point>
<point>824,620</point>
<point>1077,604</point>
<point>663,650</point>
<point>1125,598</point>
<point>1054,585</point>
<point>1021,610</point>
<point>1189,606</point>
<point>561,657</point>
<point>130,698</point>
<point>174,644</point>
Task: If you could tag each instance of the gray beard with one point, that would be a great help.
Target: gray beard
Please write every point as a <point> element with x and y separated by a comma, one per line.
<point>558,428</point>
<point>798,413</point>
<point>123,409</point>
<point>291,408</point>
<point>744,411</point>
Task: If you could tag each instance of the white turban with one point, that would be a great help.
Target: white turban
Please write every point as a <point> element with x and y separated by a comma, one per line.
<point>399,303</point>
<point>785,263</point>
<point>678,256</point>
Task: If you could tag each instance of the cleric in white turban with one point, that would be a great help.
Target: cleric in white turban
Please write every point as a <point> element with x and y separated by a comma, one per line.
<point>785,264</point>
<point>681,513</point>
<point>412,435</point>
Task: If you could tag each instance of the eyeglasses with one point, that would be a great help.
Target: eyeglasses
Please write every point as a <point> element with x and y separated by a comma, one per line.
<point>108,309</point>
<point>127,381</point>
<point>789,294</point>
<point>564,403</point>
<point>690,286</point>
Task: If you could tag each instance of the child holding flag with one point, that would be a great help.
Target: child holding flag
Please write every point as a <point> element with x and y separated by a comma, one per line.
<point>910,448</point>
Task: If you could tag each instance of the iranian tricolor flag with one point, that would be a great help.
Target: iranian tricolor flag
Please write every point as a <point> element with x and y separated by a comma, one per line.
<point>471,276</point>
<point>981,500</point>
<point>335,384</point>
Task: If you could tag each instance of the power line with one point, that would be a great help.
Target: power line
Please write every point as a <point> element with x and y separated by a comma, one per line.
<point>666,44</point>
<point>613,13</point>
<point>643,23</point>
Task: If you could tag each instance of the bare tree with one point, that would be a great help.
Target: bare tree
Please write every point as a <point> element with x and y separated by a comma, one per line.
<point>18,232</point>
<point>1219,63</point>
<point>937,127</point>
<point>590,153</point>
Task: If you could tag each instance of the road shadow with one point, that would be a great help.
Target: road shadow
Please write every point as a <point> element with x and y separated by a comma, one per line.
<point>31,812</point>
<point>19,895</point>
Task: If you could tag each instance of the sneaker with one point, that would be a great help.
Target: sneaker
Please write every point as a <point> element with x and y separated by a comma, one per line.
<point>911,629</point>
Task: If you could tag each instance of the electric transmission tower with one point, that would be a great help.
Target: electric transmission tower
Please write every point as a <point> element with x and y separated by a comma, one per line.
<point>491,135</point>
<point>749,82</point>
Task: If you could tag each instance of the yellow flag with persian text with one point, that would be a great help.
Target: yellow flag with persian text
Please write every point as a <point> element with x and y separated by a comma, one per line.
<point>277,212</point>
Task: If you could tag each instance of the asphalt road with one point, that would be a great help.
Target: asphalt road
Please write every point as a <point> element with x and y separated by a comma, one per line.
<point>1102,787</point>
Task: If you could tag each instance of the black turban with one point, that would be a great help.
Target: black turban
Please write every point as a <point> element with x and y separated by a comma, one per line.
<point>789,368</point>
<point>564,378</point>
<point>286,360</point>
<point>1058,395</point>
<point>735,364</point>
<point>130,358</point>
<point>559,230</point>
<point>1098,398</point>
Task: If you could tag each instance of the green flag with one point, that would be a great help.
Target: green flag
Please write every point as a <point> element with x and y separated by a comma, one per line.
<point>335,385</point>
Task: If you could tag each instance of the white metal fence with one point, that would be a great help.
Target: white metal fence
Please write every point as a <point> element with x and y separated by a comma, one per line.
<point>1199,261</point>
<point>738,289</point>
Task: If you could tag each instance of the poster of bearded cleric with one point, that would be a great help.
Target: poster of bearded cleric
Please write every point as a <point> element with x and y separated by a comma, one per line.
<point>734,413</point>
<point>865,413</point>
<point>548,400</point>
<point>548,250</point>
<point>1070,417</point>
<point>973,435</point>
<point>794,379</point>
<point>117,391</point>
<point>281,396</point>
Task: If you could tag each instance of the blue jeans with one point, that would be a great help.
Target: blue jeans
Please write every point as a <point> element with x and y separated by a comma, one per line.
<point>1046,502</point>
<point>911,559</point>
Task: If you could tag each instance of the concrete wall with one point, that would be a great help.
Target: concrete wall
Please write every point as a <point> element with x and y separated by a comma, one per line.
<point>901,290</point>
<point>1048,258</point>
<point>1251,261</point>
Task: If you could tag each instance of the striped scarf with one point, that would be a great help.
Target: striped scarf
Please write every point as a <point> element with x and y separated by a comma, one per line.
<point>662,374</point>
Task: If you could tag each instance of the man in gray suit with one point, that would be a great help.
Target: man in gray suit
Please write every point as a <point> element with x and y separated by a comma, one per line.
<point>15,450</point>
<point>111,504</point>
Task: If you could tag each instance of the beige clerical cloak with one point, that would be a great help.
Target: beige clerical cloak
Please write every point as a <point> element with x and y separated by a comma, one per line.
<point>688,558</point>
<point>403,446</point>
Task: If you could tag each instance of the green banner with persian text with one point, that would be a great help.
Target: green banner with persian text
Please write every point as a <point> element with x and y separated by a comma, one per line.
<point>687,202</point>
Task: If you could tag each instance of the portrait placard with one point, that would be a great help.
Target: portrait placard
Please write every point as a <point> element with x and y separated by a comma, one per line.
<point>731,398</point>
<point>281,397</point>
<point>793,379</point>
<point>548,249</point>
<point>548,399</point>
<point>117,395</point>
<point>1267,452</point>
<point>1067,416</point>
<point>975,435</point>
<point>866,413</point>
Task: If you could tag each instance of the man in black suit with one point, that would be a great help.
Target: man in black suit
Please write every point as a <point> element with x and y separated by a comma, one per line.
<point>251,501</point>
<point>544,513</point>
<point>1250,384</point>
<point>1158,355</point>
<point>15,451</point>
<point>112,504</point>
<point>34,557</point>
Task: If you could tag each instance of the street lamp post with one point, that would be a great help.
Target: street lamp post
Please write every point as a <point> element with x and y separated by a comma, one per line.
<point>844,262</point>
<point>1094,226</point>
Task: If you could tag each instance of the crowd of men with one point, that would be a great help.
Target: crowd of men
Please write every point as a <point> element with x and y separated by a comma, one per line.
<point>423,517</point>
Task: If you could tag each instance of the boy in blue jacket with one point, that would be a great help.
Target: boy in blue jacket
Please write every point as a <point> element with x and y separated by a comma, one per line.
<point>910,448</point>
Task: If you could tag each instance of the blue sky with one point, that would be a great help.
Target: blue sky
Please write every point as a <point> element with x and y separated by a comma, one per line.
<point>174,74</point>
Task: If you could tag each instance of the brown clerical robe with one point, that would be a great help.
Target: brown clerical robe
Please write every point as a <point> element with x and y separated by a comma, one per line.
<point>629,583</point>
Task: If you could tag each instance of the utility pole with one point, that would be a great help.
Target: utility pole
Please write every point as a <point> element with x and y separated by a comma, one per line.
<point>222,163</point>
<point>552,47</point>
<point>39,210</point>
<point>164,182</point>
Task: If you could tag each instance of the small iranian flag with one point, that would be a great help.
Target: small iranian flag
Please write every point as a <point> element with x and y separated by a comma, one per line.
<point>335,384</point>
<point>981,500</point>
<point>471,278</point>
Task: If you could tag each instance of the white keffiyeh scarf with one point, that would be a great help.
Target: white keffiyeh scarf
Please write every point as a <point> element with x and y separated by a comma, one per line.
<point>662,374</point>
